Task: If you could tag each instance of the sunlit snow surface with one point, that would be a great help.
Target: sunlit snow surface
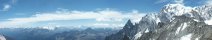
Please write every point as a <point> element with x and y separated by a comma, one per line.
<point>182,27</point>
<point>178,29</point>
<point>186,37</point>
<point>137,35</point>
<point>147,30</point>
<point>197,38</point>
<point>209,22</point>
<point>196,20</point>
<point>177,9</point>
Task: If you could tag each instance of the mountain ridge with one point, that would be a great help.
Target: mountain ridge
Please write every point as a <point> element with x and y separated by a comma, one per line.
<point>171,23</point>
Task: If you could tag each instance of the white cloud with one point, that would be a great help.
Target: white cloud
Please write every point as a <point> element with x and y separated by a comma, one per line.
<point>6,7</point>
<point>161,1</point>
<point>208,2</point>
<point>172,1</point>
<point>100,16</point>
<point>179,1</point>
<point>107,25</point>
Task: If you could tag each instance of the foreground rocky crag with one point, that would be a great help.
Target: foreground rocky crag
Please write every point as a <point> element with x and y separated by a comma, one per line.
<point>174,22</point>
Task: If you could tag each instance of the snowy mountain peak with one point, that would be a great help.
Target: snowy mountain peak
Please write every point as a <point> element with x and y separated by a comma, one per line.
<point>199,13</point>
<point>174,22</point>
<point>176,9</point>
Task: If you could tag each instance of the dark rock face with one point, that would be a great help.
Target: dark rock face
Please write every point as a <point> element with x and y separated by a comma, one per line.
<point>174,22</point>
<point>125,33</point>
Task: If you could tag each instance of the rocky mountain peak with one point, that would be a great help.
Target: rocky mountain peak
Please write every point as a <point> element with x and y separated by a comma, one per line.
<point>174,22</point>
<point>128,24</point>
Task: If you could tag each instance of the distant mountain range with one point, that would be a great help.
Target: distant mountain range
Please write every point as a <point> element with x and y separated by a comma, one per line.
<point>174,22</point>
<point>57,33</point>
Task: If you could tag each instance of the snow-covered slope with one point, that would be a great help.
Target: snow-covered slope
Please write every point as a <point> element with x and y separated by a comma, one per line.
<point>174,22</point>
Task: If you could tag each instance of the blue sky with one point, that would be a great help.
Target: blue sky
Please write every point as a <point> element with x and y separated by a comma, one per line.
<point>80,12</point>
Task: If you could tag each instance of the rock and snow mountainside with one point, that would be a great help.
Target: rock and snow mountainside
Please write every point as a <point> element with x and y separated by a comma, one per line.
<point>174,22</point>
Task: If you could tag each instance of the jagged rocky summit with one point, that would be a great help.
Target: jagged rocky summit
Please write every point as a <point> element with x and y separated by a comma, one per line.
<point>174,22</point>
